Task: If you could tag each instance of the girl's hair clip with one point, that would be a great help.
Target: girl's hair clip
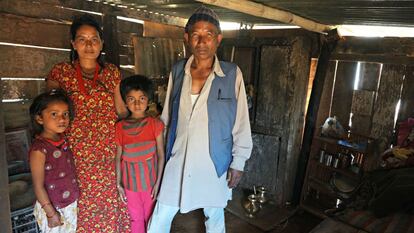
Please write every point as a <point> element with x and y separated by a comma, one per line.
<point>53,91</point>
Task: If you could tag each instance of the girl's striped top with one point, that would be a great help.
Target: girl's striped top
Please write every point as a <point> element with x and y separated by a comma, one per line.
<point>139,152</point>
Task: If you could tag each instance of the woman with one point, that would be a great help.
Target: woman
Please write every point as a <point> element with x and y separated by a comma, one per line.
<point>93,86</point>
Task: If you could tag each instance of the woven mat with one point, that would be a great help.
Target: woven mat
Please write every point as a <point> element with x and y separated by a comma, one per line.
<point>393,223</point>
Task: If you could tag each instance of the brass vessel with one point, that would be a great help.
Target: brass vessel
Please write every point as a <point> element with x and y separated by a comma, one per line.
<point>251,206</point>
<point>262,195</point>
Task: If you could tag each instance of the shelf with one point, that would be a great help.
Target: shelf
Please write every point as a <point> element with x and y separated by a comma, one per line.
<point>335,142</point>
<point>327,140</point>
<point>342,171</point>
<point>326,188</point>
<point>319,212</point>
<point>318,194</point>
<point>322,187</point>
<point>315,207</point>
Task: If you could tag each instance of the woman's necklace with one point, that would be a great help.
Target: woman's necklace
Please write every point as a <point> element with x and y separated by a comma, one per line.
<point>88,75</point>
<point>81,82</point>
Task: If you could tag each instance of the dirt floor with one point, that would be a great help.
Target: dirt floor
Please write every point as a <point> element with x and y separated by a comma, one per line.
<point>193,222</point>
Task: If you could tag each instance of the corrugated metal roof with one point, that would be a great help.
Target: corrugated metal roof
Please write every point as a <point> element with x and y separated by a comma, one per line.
<point>356,12</point>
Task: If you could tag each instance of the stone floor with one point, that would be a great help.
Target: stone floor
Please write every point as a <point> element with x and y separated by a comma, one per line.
<point>300,222</point>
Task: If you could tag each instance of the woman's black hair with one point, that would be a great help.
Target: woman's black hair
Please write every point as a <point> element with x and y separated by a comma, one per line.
<point>41,102</point>
<point>137,83</point>
<point>78,21</point>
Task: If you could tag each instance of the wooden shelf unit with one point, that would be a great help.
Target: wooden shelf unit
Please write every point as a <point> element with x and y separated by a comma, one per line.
<point>318,194</point>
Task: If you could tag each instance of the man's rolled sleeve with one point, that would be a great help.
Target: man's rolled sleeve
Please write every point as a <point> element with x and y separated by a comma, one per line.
<point>242,138</point>
<point>165,115</point>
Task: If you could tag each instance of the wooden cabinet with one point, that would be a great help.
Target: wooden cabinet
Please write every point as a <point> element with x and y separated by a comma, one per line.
<point>334,170</point>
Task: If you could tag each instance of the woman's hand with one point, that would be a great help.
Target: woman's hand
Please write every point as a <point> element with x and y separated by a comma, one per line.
<point>54,220</point>
<point>154,192</point>
<point>121,192</point>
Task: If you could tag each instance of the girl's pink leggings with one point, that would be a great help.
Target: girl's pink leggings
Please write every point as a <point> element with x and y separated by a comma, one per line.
<point>140,207</point>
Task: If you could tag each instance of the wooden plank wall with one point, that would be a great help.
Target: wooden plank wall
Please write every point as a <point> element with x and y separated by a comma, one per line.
<point>126,32</point>
<point>342,96</point>
<point>265,148</point>
<point>46,25</point>
<point>281,84</point>
<point>270,103</point>
<point>372,101</point>
<point>326,98</point>
<point>155,56</point>
<point>34,35</point>
<point>159,56</point>
<point>244,57</point>
<point>5,218</point>
<point>364,97</point>
<point>388,95</point>
<point>407,95</point>
<point>269,123</point>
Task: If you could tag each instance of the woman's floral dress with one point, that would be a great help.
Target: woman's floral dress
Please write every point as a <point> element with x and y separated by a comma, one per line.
<point>91,136</point>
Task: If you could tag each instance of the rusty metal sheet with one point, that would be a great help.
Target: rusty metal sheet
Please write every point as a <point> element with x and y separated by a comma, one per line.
<point>363,102</point>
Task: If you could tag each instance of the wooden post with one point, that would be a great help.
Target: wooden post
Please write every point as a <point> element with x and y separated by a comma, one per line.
<point>260,10</point>
<point>111,45</point>
<point>5,219</point>
<point>317,88</point>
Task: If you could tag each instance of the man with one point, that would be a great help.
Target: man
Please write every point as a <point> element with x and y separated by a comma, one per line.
<point>208,130</point>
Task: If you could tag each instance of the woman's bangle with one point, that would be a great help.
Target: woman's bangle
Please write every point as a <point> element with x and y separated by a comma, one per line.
<point>47,203</point>
<point>51,215</point>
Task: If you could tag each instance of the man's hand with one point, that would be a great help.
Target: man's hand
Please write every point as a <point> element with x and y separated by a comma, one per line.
<point>233,177</point>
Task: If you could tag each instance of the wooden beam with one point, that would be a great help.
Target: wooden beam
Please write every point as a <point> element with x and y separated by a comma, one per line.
<point>381,50</point>
<point>385,58</point>
<point>314,101</point>
<point>260,10</point>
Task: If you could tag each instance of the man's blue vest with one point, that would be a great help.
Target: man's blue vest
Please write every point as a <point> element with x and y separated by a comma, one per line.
<point>221,108</point>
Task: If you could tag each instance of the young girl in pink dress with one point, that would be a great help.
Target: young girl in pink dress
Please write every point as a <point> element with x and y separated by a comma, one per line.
<point>51,164</point>
<point>140,152</point>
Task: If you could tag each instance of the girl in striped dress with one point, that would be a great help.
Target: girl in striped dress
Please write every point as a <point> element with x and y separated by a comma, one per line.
<point>140,152</point>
